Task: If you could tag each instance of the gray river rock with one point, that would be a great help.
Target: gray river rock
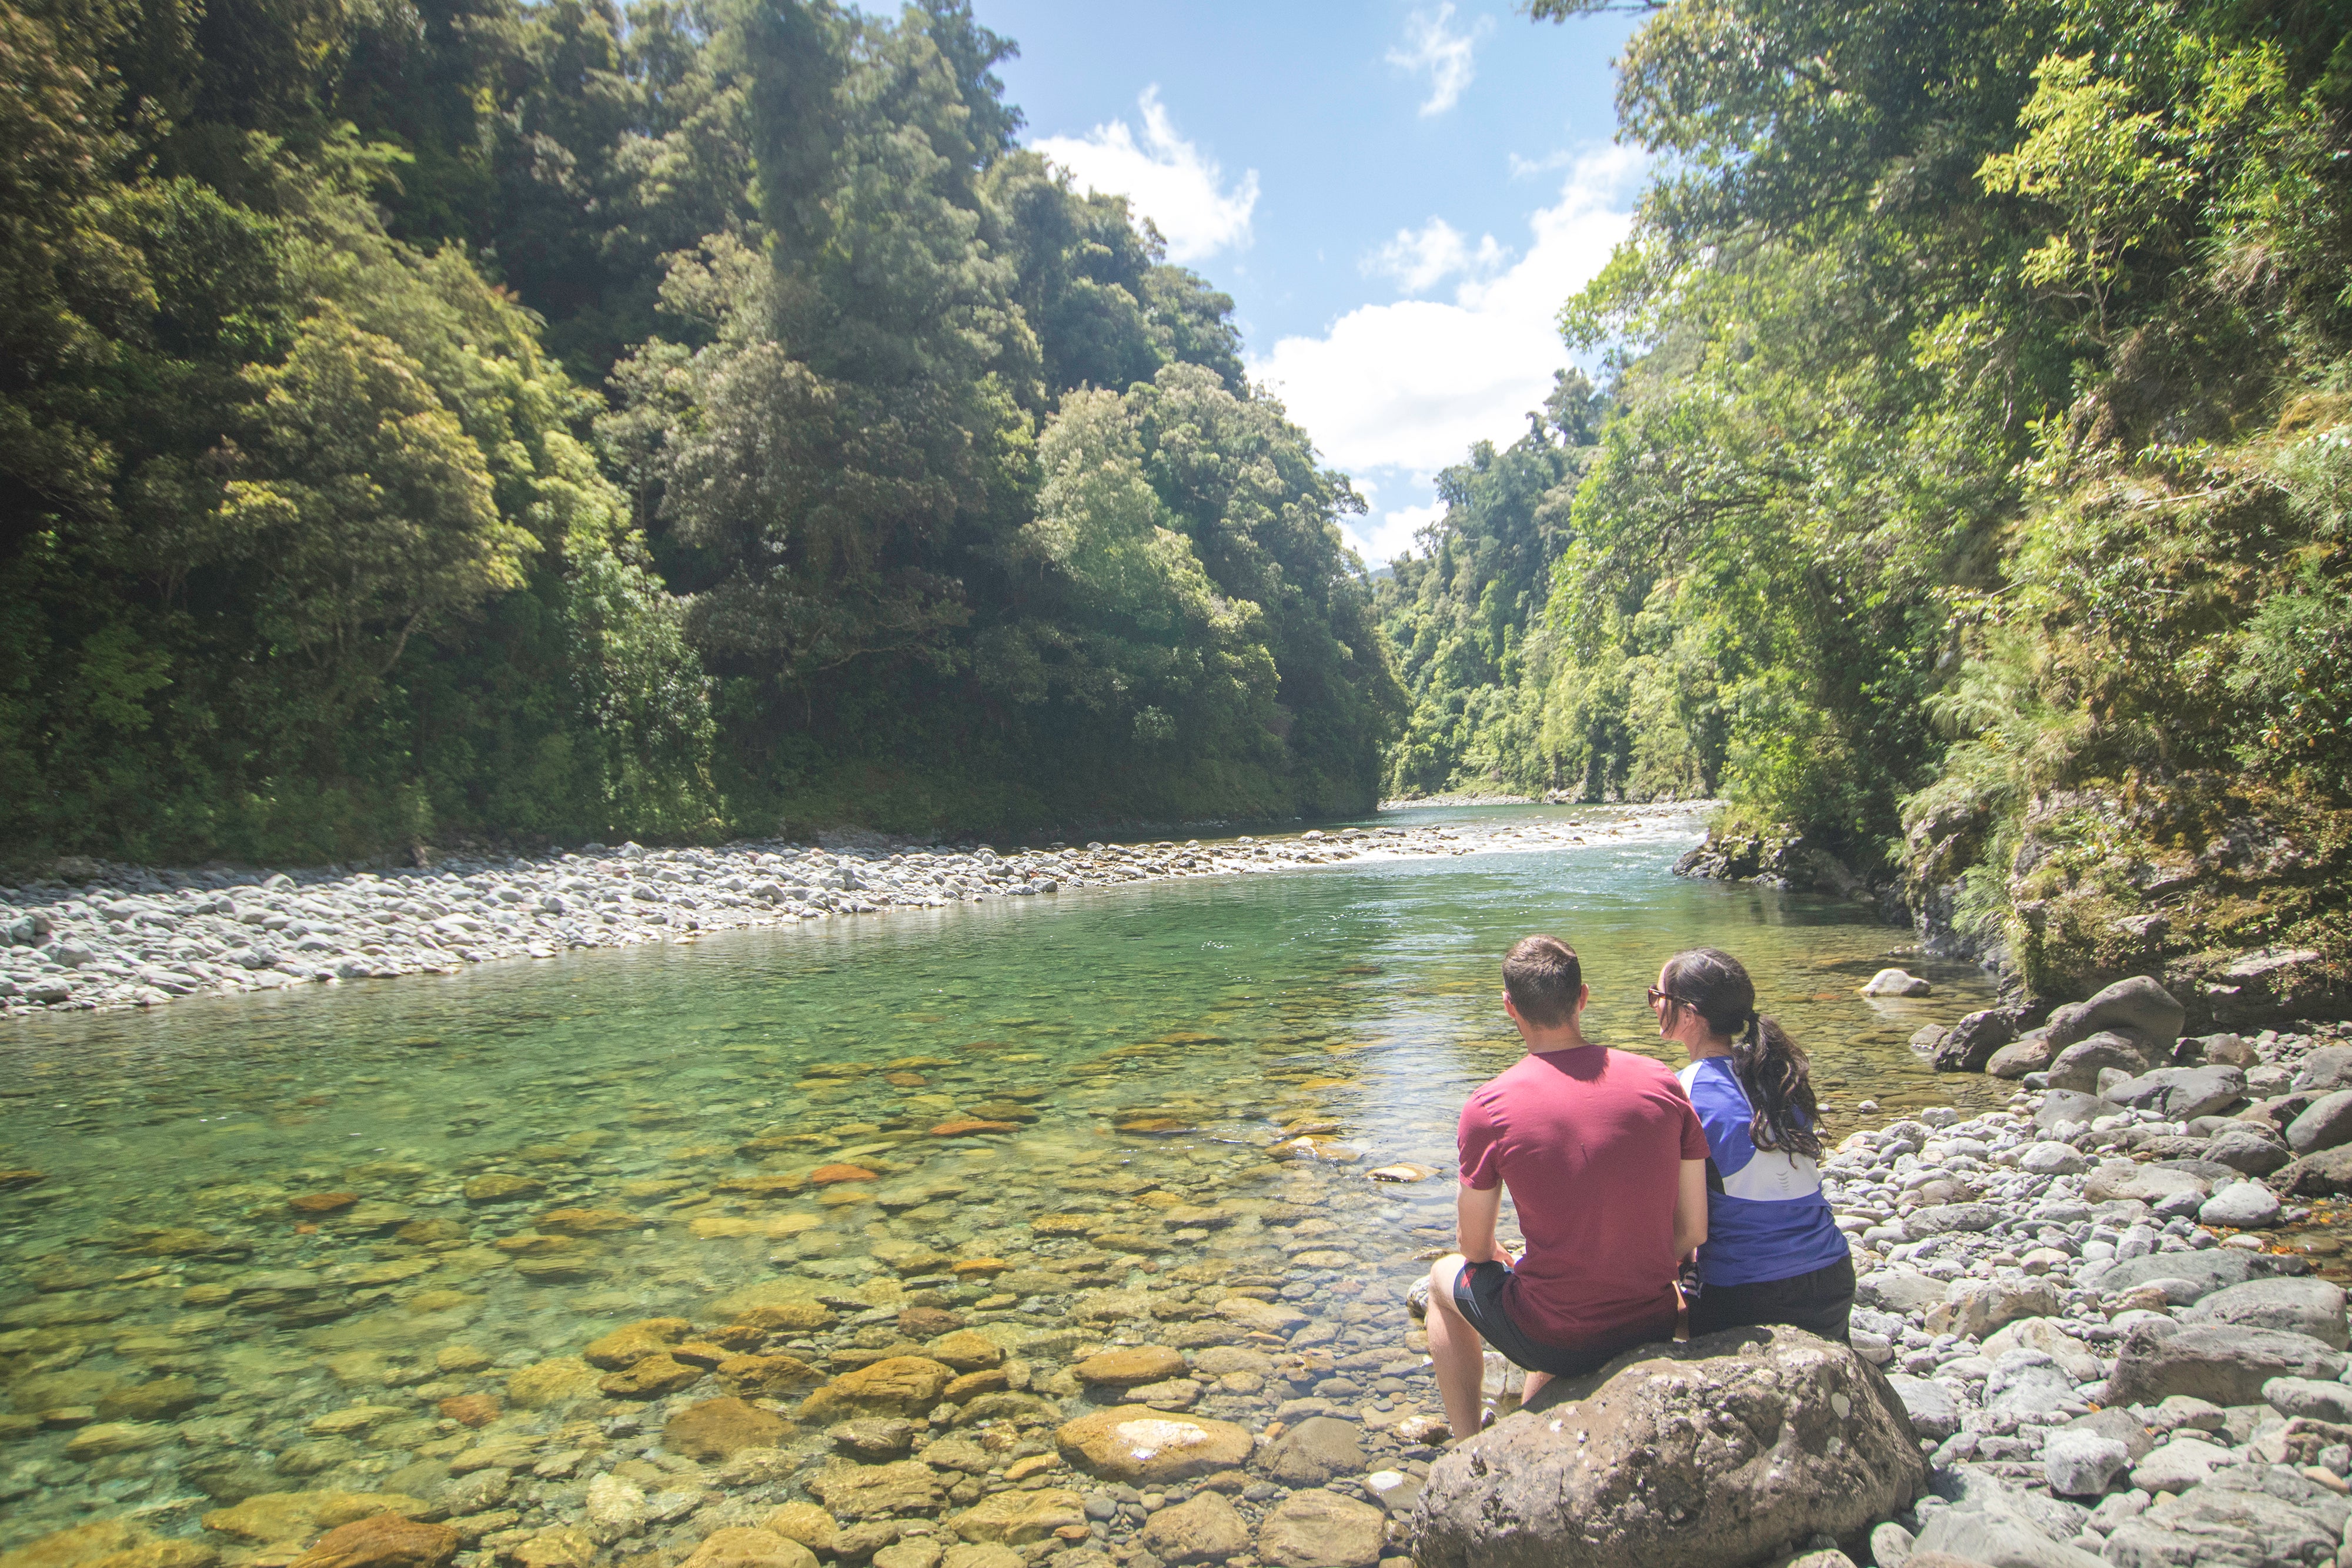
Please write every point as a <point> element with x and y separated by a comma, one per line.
<point>128,937</point>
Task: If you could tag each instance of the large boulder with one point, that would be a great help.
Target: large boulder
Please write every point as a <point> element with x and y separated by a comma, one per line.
<point>2245,1148</point>
<point>2226,1363</point>
<point>2239,1206</point>
<point>2029,1052</point>
<point>1977,1307</point>
<point>1899,1288</point>
<point>1992,1525</point>
<point>2311,1307</point>
<point>2138,1008</point>
<point>1928,1405</point>
<point>2149,1184</point>
<point>2328,1174</point>
<point>2079,1065</point>
<point>2206,1272</point>
<point>2081,1463</point>
<point>2292,1396</point>
<point>1968,1044</point>
<point>2180,1093</point>
<point>2245,1513</point>
<point>2325,1123</point>
<point>2050,1337</point>
<point>2063,1106</point>
<point>1730,1448</point>
<point>2326,1070</point>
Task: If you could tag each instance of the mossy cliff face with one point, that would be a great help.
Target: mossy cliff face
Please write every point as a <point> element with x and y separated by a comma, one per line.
<point>2236,892</point>
<point>2232,892</point>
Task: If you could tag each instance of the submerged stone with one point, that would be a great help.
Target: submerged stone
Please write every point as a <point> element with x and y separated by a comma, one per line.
<point>1136,1444</point>
<point>716,1429</point>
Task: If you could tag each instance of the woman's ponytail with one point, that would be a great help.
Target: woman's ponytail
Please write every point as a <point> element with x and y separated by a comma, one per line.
<point>1771,1068</point>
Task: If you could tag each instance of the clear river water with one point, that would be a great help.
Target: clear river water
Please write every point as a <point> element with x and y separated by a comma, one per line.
<point>248,1207</point>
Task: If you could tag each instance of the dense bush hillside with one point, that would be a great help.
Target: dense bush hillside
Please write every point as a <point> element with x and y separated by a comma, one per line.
<point>467,417</point>
<point>1970,504</point>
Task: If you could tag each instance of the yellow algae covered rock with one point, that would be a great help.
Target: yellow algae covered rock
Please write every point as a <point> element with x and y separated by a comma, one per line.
<point>69,1548</point>
<point>650,1377</point>
<point>715,1429</point>
<point>806,1523</point>
<point>1017,1518</point>
<point>549,1383</point>
<point>1132,1366</point>
<point>634,1342</point>
<point>382,1541</point>
<point>284,1516</point>
<point>966,1350</point>
<point>765,1376</point>
<point>743,1547</point>
<point>898,1386</point>
<point>587,1221</point>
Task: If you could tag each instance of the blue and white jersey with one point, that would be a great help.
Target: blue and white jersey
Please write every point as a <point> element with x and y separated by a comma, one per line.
<point>1765,1215</point>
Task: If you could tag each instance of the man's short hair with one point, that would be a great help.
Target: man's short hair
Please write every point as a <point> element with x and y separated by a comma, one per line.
<point>1542,978</point>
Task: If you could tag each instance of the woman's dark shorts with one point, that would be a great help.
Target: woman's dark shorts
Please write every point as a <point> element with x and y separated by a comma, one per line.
<point>1817,1302</point>
<point>1478,1295</point>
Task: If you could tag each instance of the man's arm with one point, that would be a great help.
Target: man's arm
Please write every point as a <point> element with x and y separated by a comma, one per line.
<point>1690,1207</point>
<point>1474,1213</point>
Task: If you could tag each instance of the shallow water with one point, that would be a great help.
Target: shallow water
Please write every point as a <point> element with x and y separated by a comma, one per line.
<point>1145,1046</point>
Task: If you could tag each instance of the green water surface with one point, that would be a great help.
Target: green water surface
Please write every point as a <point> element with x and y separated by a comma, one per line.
<point>1145,1046</point>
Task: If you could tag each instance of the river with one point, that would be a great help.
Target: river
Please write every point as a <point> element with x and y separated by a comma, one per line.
<point>253,1212</point>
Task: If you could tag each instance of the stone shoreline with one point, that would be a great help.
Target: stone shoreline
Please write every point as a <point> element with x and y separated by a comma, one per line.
<point>2083,1306</point>
<point>131,937</point>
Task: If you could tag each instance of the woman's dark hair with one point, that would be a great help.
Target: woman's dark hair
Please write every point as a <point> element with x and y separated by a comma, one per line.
<point>1771,1069</point>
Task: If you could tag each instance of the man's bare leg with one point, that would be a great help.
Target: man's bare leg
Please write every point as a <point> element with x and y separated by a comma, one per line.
<point>1533,1386</point>
<point>1457,1353</point>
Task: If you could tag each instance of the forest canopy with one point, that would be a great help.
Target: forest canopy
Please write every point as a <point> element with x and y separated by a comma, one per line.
<point>554,421</point>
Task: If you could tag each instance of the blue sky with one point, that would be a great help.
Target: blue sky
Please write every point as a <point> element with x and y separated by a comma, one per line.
<point>1398,196</point>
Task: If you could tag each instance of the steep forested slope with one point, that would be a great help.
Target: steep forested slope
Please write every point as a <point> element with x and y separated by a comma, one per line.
<point>554,419</point>
<point>1970,506</point>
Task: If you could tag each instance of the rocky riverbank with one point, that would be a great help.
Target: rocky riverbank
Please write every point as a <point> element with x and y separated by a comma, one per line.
<point>2081,1303</point>
<point>113,937</point>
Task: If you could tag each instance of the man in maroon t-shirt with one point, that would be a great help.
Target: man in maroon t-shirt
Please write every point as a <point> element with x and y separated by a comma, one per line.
<point>1606,1165</point>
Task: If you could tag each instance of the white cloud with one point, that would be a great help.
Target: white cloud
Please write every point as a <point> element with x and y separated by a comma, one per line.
<point>1405,388</point>
<point>1381,537</point>
<point>1418,258</point>
<point>1169,179</point>
<point>1446,55</point>
<point>1521,168</point>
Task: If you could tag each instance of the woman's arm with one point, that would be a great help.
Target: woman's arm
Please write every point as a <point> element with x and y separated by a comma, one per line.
<point>1690,1209</point>
<point>1474,1213</point>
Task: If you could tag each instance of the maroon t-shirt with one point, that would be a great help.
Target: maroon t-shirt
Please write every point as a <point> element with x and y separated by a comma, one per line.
<point>1591,1144</point>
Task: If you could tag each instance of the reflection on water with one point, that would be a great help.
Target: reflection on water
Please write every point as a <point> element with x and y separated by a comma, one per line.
<point>246,1206</point>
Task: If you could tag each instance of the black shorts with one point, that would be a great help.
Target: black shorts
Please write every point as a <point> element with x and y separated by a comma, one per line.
<point>1817,1302</point>
<point>1478,1295</point>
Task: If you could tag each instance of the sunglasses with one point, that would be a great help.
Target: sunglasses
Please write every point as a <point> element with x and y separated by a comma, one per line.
<point>1657,996</point>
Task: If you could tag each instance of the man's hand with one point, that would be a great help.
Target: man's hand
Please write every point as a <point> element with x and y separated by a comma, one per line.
<point>1474,1214</point>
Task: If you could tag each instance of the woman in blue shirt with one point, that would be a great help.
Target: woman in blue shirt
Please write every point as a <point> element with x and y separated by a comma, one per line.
<point>1773,1253</point>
